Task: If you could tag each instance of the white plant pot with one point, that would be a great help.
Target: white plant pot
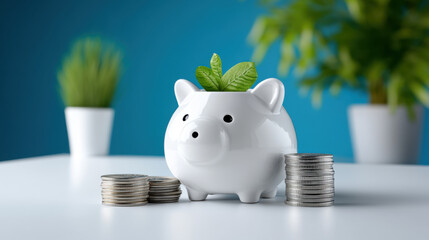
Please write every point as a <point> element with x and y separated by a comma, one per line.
<point>89,130</point>
<point>378,136</point>
<point>230,142</point>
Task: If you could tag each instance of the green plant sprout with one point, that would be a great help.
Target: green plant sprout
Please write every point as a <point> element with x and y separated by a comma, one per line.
<point>378,46</point>
<point>90,74</point>
<point>239,78</point>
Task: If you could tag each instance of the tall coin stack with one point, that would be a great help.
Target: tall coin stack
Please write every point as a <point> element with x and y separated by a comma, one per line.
<point>309,180</point>
<point>124,189</point>
<point>164,189</point>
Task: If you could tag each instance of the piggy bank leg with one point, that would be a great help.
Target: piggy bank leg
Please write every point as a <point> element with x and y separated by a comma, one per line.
<point>196,195</point>
<point>269,193</point>
<point>249,197</point>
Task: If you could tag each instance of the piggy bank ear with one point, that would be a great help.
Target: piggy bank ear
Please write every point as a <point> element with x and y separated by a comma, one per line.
<point>182,88</point>
<point>272,92</point>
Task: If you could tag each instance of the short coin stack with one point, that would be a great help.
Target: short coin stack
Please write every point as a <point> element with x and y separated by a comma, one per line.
<point>124,189</point>
<point>164,189</point>
<point>309,180</point>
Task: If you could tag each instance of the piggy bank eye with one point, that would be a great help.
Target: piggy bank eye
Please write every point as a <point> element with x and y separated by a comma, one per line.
<point>185,117</point>
<point>227,118</point>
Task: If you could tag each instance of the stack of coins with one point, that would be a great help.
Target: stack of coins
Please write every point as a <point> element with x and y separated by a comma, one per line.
<point>124,189</point>
<point>309,180</point>
<point>164,189</point>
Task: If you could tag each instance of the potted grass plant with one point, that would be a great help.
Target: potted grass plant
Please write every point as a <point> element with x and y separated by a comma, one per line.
<point>88,80</point>
<point>380,47</point>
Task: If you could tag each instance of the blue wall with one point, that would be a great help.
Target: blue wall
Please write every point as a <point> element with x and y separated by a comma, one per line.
<point>162,41</point>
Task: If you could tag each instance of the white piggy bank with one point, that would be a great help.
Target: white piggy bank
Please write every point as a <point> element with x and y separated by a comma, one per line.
<point>229,142</point>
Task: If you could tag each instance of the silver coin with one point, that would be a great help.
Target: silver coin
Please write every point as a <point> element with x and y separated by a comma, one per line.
<point>152,198</point>
<point>298,174</point>
<point>125,181</point>
<point>307,168</point>
<point>310,173</point>
<point>124,201</point>
<point>307,196</point>
<point>164,201</point>
<point>104,185</point>
<point>134,187</point>
<point>164,186</point>
<point>125,198</point>
<point>106,191</point>
<point>286,159</point>
<point>308,155</point>
<point>130,194</point>
<point>309,187</point>
<point>308,163</point>
<point>164,196</point>
<point>125,204</point>
<point>313,191</point>
<point>165,189</point>
<point>133,184</point>
<point>114,177</point>
<point>108,195</point>
<point>298,169</point>
<point>164,193</point>
<point>161,181</point>
<point>319,178</point>
<point>169,188</point>
<point>300,204</point>
<point>123,184</point>
<point>124,190</point>
<point>310,200</point>
<point>310,182</point>
<point>142,179</point>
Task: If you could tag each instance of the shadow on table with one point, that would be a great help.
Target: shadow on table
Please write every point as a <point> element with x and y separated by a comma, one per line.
<point>349,198</point>
<point>342,198</point>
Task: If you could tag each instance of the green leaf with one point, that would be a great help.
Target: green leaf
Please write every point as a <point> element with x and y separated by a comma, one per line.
<point>207,78</point>
<point>216,65</point>
<point>264,32</point>
<point>335,87</point>
<point>393,91</point>
<point>257,30</point>
<point>316,96</point>
<point>240,77</point>
<point>421,93</point>
<point>287,54</point>
<point>259,52</point>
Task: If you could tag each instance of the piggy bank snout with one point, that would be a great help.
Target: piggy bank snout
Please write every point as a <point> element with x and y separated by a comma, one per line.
<point>202,141</point>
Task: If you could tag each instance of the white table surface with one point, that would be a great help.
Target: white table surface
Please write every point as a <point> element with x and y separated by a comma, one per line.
<point>56,197</point>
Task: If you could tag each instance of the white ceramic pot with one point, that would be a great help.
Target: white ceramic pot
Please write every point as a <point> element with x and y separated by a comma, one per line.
<point>89,130</point>
<point>229,142</point>
<point>378,136</point>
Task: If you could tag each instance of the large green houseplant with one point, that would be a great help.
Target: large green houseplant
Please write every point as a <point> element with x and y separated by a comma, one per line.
<point>88,80</point>
<point>377,46</point>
